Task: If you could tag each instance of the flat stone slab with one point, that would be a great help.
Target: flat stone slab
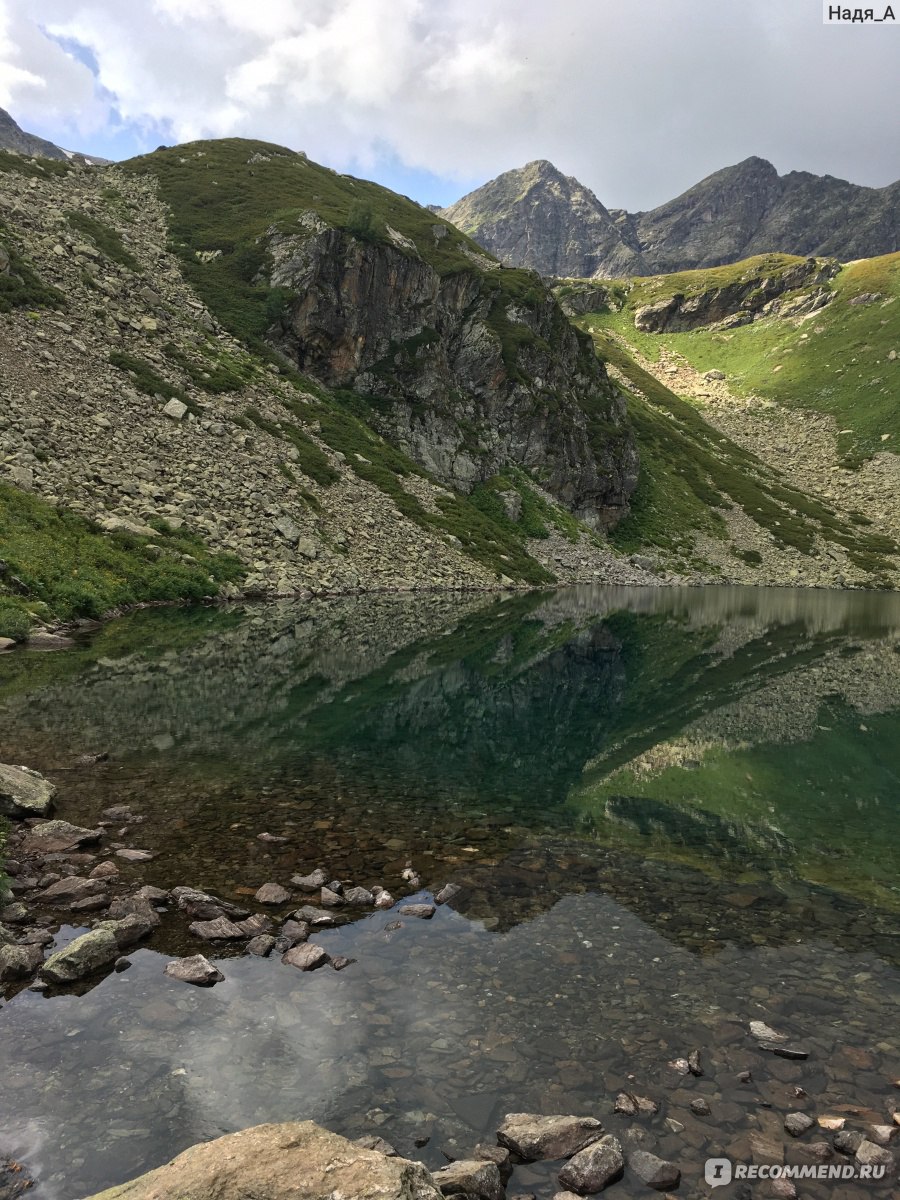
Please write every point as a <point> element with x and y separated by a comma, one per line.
<point>54,837</point>
<point>24,793</point>
<point>219,930</point>
<point>135,855</point>
<point>299,1160</point>
<point>71,888</point>
<point>423,911</point>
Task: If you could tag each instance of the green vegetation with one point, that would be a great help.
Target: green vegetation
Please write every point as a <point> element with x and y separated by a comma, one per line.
<point>59,566</point>
<point>214,370</point>
<point>836,361</point>
<point>780,799</point>
<point>107,240</point>
<point>651,289</point>
<point>22,288</point>
<point>146,380</point>
<point>37,168</point>
<point>312,461</point>
<point>225,197</point>
<point>535,513</point>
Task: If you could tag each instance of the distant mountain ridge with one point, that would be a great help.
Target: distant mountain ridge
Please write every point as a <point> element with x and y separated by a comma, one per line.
<point>539,218</point>
<point>13,138</point>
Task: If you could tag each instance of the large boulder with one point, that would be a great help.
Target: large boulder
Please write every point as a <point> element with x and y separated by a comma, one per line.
<point>534,1137</point>
<point>294,1161</point>
<point>94,950</point>
<point>472,1178</point>
<point>24,793</point>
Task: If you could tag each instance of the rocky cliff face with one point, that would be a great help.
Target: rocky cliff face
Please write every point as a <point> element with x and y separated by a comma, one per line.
<point>734,213</point>
<point>770,289</point>
<point>470,381</point>
<point>539,218</point>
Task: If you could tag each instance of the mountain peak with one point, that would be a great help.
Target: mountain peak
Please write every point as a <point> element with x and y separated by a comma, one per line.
<point>13,137</point>
<point>537,217</point>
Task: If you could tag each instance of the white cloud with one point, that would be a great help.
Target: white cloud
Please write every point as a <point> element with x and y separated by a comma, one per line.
<point>637,99</point>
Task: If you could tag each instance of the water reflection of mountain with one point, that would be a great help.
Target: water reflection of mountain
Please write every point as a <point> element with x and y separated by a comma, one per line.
<point>535,701</point>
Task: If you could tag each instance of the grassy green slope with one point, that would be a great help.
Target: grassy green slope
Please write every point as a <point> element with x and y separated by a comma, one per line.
<point>57,566</point>
<point>689,470</point>
<point>834,362</point>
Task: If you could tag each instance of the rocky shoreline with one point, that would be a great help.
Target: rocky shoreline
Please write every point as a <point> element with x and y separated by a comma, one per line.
<point>46,889</point>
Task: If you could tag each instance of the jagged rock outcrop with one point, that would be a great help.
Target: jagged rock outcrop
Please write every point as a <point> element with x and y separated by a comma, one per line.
<point>539,218</point>
<point>299,1160</point>
<point>472,382</point>
<point>755,293</point>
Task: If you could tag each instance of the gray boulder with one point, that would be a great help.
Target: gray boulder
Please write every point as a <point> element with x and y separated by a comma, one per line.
<point>305,957</point>
<point>194,969</point>
<point>57,837</point>
<point>73,887</point>
<point>24,793</point>
<point>595,1168</point>
<point>312,882</point>
<point>534,1137</point>
<point>797,1123</point>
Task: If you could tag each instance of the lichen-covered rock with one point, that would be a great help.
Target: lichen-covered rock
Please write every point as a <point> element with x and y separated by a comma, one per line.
<point>24,793</point>
<point>94,950</point>
<point>294,1161</point>
<point>18,962</point>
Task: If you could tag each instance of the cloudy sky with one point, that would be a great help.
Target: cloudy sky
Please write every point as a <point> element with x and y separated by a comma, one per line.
<point>638,98</point>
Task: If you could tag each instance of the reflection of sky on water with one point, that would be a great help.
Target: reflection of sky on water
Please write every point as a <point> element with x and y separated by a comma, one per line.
<point>549,1015</point>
